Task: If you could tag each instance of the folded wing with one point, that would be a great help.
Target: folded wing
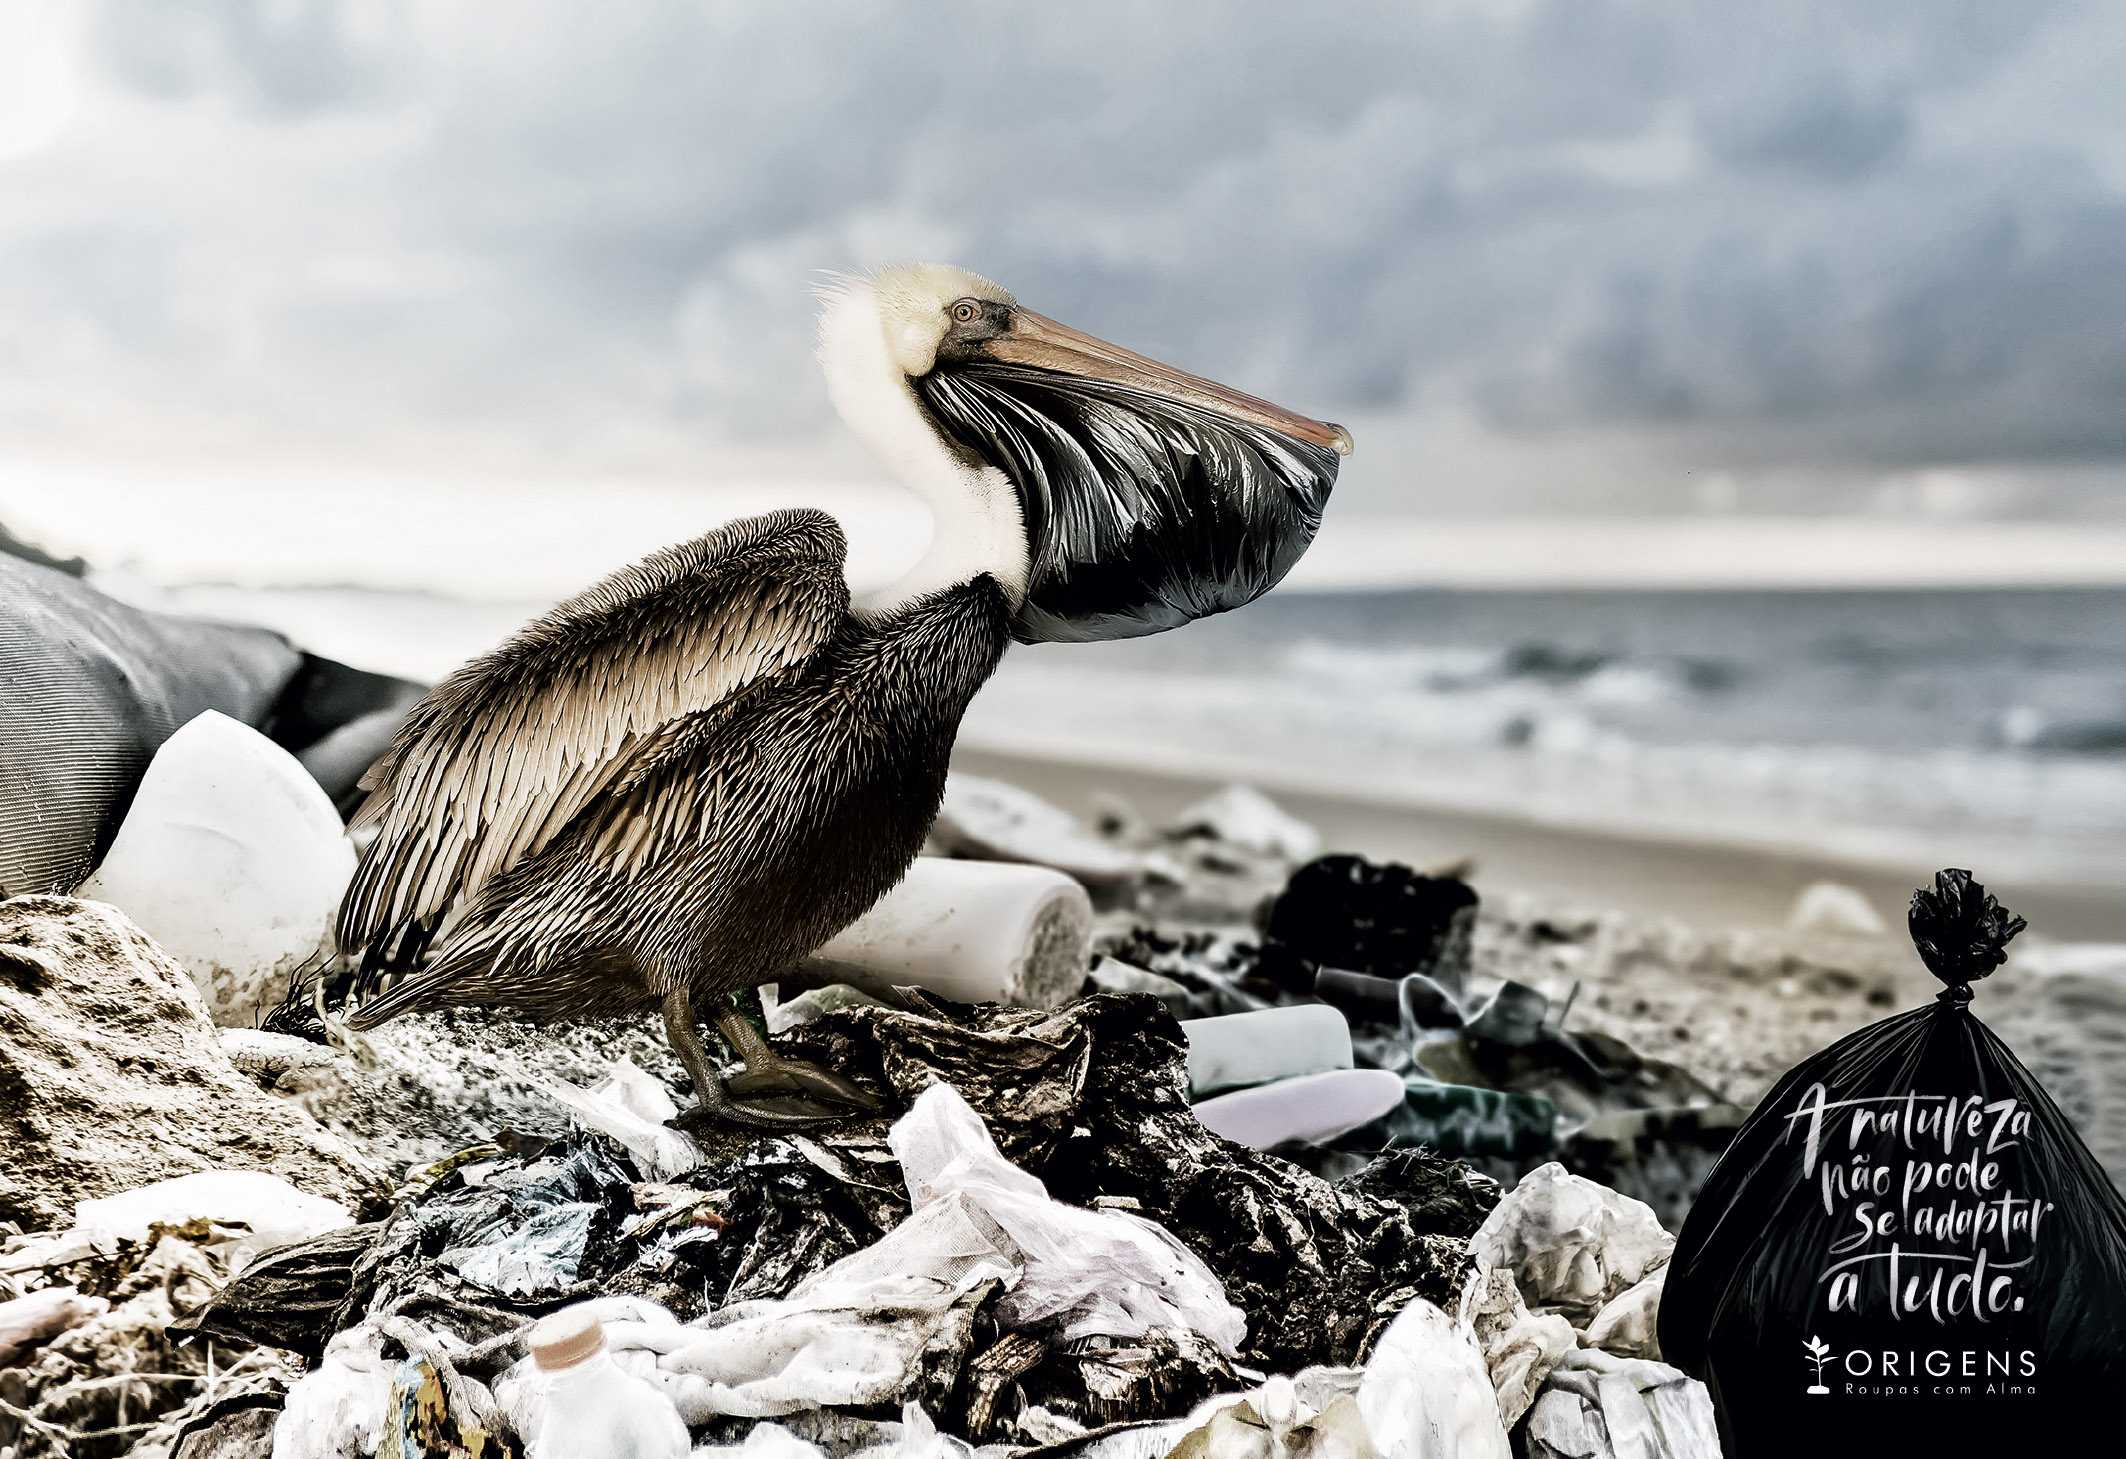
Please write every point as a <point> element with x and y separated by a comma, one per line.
<point>492,765</point>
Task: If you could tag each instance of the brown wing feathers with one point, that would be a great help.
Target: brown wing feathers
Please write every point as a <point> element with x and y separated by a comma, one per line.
<point>504,753</point>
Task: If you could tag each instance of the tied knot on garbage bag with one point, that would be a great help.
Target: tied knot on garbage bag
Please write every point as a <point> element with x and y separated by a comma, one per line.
<point>1907,1244</point>
<point>1961,932</point>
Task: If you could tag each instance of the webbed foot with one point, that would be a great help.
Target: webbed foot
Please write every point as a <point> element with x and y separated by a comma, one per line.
<point>773,1093</point>
<point>806,1080</point>
<point>762,1112</point>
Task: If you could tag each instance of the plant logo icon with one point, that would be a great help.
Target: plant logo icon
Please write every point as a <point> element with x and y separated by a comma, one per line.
<point>1819,1353</point>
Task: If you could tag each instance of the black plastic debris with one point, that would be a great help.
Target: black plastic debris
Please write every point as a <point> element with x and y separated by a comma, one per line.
<point>1413,1001</point>
<point>785,1207</point>
<point>1368,917</point>
<point>1092,1099</point>
<point>289,1298</point>
<point>1091,1382</point>
<point>520,1242</point>
<point>1908,1248</point>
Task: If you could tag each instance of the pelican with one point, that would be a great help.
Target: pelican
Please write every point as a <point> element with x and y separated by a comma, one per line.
<point>680,782</point>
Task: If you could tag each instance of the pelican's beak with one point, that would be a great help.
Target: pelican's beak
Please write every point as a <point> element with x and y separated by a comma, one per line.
<point>1038,342</point>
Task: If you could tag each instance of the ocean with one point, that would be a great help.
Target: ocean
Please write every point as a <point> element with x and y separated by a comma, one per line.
<point>1900,729</point>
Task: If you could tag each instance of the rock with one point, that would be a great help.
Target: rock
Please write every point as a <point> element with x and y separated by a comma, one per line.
<point>1250,820</point>
<point>991,820</point>
<point>975,932</point>
<point>111,1075</point>
<point>1519,1347</point>
<point>1236,1050</point>
<point>1426,1394</point>
<point>233,860</point>
<point>1312,1109</point>
<point>1829,906</point>
<point>1572,1245</point>
<point>1595,1406</point>
<point>1628,1324</point>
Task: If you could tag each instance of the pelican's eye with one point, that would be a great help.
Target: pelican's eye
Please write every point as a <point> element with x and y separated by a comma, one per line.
<point>967,311</point>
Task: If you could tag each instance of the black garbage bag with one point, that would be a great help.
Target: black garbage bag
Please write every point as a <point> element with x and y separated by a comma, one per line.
<point>1908,1249</point>
<point>1369,917</point>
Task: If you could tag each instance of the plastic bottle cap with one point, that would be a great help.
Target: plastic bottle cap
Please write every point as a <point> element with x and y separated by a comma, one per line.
<point>566,1339</point>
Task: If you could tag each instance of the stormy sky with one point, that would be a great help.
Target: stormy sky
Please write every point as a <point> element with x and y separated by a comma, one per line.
<point>1790,242</point>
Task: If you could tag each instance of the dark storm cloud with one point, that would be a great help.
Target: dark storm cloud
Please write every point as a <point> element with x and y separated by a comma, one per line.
<point>1869,231</point>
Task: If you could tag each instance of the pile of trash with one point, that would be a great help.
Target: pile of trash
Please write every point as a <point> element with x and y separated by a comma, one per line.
<point>1036,1243</point>
<point>1191,1140</point>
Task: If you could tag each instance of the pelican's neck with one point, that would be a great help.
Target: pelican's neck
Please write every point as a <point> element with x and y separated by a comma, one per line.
<point>976,523</point>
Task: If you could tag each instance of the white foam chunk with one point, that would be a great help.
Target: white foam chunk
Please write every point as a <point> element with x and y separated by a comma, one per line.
<point>973,931</point>
<point>233,860</point>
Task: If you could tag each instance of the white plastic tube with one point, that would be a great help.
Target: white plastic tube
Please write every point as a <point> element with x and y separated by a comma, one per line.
<point>971,931</point>
<point>1238,1049</point>
<point>1309,1110</point>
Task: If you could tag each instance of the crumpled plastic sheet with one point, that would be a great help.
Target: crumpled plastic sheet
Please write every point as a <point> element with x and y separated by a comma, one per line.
<point>853,1335</point>
<point>339,1407</point>
<point>1091,1100</point>
<point>631,1106</point>
<point>1087,1272</point>
<point>1572,1245</point>
<point>521,1233</point>
<point>1597,1406</point>
<point>289,1298</point>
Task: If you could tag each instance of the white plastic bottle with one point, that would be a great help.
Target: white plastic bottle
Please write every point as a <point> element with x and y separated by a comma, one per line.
<point>589,1408</point>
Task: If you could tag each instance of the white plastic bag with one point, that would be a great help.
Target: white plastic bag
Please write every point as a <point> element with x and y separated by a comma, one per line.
<point>852,1335</point>
<point>1571,1244</point>
<point>631,1105</point>
<point>1426,1394</point>
<point>276,1212</point>
<point>1087,1272</point>
<point>336,1411</point>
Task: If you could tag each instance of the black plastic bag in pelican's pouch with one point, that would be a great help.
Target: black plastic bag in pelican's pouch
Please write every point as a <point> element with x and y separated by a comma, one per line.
<point>1907,1249</point>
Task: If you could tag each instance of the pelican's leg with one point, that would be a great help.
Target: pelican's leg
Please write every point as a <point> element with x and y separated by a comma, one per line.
<point>715,1102</point>
<point>768,1072</point>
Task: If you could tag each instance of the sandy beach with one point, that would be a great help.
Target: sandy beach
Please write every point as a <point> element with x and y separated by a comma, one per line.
<point>1705,884</point>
